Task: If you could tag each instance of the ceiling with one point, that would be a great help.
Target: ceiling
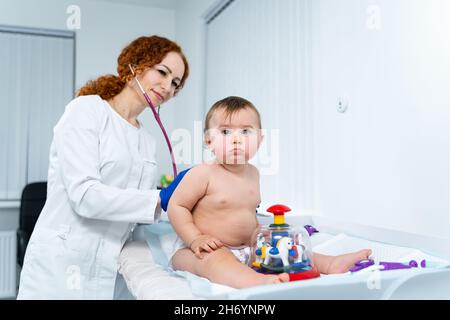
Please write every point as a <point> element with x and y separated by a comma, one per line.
<point>165,4</point>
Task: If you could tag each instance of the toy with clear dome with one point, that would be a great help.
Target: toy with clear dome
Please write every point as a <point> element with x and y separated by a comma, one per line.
<point>280,247</point>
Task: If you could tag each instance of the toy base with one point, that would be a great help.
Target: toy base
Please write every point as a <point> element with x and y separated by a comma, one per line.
<point>295,276</point>
<point>311,274</point>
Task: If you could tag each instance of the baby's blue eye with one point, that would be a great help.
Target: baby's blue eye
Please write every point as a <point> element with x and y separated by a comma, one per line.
<point>226,131</point>
<point>246,131</point>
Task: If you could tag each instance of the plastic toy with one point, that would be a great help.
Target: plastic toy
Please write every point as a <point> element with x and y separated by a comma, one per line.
<point>166,180</point>
<point>382,266</point>
<point>280,247</point>
<point>311,230</point>
<point>362,264</point>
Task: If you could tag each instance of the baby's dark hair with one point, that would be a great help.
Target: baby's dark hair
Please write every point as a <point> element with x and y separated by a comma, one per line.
<point>231,105</point>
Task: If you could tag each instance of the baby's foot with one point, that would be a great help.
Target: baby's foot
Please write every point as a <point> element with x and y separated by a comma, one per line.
<point>342,263</point>
<point>278,278</point>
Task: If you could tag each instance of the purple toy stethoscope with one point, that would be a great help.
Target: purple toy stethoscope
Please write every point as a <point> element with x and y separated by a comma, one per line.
<point>383,266</point>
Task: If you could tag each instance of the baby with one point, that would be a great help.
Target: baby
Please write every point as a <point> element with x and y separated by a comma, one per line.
<point>213,209</point>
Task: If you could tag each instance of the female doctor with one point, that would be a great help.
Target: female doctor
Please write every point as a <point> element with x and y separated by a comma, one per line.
<point>102,176</point>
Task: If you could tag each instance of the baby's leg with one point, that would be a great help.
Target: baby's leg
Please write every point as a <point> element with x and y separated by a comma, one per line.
<point>339,264</point>
<point>221,266</point>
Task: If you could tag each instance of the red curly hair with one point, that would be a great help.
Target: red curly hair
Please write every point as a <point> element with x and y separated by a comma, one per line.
<point>142,53</point>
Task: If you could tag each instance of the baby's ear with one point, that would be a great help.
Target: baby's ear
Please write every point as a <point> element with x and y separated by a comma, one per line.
<point>261,137</point>
<point>208,136</point>
<point>206,139</point>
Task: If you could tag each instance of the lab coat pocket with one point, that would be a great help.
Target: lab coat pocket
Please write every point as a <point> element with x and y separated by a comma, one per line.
<point>148,178</point>
<point>81,254</point>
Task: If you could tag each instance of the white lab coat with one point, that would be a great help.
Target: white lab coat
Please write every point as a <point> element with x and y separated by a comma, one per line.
<point>101,182</point>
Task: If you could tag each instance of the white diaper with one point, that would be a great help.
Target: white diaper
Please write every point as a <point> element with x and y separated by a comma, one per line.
<point>241,253</point>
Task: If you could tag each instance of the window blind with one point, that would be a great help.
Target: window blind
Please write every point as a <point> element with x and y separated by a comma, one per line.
<point>36,82</point>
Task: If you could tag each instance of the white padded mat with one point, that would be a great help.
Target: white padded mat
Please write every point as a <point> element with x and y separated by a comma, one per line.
<point>146,279</point>
<point>342,243</point>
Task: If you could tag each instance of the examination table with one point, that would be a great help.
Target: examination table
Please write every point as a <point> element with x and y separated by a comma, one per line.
<point>143,265</point>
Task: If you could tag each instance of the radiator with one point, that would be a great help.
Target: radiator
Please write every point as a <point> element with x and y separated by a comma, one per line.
<point>8,264</point>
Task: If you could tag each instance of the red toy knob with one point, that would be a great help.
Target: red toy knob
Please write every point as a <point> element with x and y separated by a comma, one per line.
<point>278,211</point>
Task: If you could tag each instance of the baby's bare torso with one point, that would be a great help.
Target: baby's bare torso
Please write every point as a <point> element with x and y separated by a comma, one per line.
<point>228,210</point>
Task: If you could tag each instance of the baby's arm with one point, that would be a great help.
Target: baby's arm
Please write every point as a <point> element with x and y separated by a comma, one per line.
<point>190,190</point>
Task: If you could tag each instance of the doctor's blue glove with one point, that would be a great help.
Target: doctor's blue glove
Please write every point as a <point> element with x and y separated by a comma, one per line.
<point>166,193</point>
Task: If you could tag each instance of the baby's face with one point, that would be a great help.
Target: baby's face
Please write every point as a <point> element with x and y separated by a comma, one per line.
<point>234,139</point>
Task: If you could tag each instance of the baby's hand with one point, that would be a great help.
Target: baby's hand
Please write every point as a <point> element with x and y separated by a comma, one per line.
<point>204,243</point>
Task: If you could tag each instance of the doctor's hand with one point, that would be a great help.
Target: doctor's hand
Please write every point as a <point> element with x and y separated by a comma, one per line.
<point>166,193</point>
<point>204,243</point>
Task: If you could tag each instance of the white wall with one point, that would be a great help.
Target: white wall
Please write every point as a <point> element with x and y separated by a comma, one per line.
<point>385,161</point>
<point>258,49</point>
<point>190,103</point>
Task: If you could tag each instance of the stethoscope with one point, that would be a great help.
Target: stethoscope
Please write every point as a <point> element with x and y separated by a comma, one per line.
<point>369,265</point>
<point>158,120</point>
